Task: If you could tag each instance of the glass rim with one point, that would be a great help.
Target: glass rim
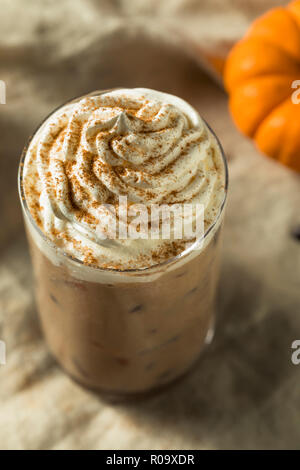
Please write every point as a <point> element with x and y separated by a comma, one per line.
<point>77,261</point>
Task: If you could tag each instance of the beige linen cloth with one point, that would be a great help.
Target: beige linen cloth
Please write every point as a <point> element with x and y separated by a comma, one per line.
<point>245,391</point>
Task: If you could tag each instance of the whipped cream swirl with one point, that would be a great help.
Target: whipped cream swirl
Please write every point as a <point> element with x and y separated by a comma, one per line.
<point>146,145</point>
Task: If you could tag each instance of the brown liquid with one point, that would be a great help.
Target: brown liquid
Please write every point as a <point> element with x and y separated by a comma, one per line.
<point>129,338</point>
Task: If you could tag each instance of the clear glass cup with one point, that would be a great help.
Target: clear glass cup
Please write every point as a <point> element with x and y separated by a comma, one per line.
<point>125,333</point>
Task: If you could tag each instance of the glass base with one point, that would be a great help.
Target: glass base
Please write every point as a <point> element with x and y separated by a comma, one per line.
<point>121,397</point>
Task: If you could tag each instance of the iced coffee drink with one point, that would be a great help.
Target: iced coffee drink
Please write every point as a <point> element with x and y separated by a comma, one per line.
<point>124,314</point>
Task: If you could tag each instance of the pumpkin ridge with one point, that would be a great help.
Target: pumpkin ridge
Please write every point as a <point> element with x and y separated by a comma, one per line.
<point>292,16</point>
<point>268,74</point>
<point>276,46</point>
<point>269,114</point>
<point>290,9</point>
<point>252,33</point>
<point>279,153</point>
<point>278,105</point>
<point>230,80</point>
<point>251,133</point>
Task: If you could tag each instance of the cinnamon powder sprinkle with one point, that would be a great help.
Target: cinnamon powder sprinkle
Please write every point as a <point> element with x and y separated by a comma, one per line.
<point>108,146</point>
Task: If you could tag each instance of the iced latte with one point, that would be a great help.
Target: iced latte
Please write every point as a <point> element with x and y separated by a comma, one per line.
<point>123,314</point>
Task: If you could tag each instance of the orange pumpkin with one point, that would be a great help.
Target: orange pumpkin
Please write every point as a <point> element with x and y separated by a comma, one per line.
<point>260,75</point>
